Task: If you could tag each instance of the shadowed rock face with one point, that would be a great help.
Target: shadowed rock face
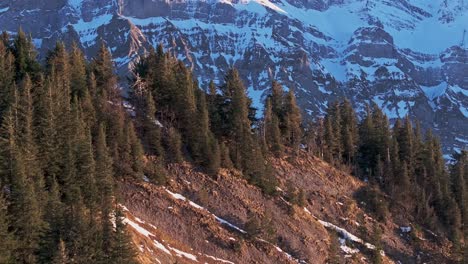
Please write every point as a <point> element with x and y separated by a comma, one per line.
<point>377,51</point>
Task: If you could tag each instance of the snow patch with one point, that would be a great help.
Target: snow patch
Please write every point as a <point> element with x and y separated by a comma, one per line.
<point>219,219</point>
<point>181,253</point>
<point>220,260</point>
<point>405,229</point>
<point>436,91</point>
<point>3,10</point>
<point>148,234</point>
<point>344,233</point>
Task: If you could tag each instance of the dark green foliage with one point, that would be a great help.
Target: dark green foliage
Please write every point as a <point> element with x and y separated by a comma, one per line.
<point>173,146</point>
<point>155,171</point>
<point>293,121</point>
<point>58,158</point>
<point>375,201</point>
<point>122,249</point>
<point>260,226</point>
<point>376,257</point>
<point>25,56</point>
<point>252,227</point>
<point>7,241</point>
<point>61,256</point>
<point>67,136</point>
<point>272,133</point>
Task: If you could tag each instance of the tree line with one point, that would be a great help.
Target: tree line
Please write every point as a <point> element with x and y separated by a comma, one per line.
<point>64,139</point>
<point>67,137</point>
<point>403,162</point>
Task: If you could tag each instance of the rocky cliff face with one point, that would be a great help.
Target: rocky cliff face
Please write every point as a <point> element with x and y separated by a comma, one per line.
<point>408,56</point>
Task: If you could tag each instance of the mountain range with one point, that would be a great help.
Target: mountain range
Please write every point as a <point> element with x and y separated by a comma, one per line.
<point>407,56</point>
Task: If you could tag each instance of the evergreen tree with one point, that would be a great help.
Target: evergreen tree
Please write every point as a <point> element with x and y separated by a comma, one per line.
<point>123,251</point>
<point>103,70</point>
<point>46,132</point>
<point>78,72</point>
<point>7,239</point>
<point>26,138</point>
<point>26,218</point>
<point>86,166</point>
<point>377,241</point>
<point>459,177</point>
<point>54,217</point>
<point>271,128</point>
<point>104,170</point>
<point>173,146</point>
<point>349,132</point>
<point>61,256</point>
<point>151,126</point>
<point>7,77</point>
<point>293,120</point>
<point>367,146</point>
<point>25,56</point>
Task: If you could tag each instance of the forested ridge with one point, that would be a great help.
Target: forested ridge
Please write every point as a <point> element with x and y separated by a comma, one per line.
<point>67,138</point>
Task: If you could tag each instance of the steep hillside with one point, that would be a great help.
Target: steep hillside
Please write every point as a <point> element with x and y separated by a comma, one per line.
<point>378,51</point>
<point>196,218</point>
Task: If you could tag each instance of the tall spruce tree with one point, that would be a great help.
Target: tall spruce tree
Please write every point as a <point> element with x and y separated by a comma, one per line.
<point>293,120</point>
<point>24,208</point>
<point>7,239</point>
<point>122,251</point>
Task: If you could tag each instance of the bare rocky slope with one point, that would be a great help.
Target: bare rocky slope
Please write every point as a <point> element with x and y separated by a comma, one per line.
<point>198,219</point>
<point>408,56</point>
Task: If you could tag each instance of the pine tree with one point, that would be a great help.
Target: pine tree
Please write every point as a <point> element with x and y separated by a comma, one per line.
<point>151,126</point>
<point>46,132</point>
<point>403,183</point>
<point>7,77</point>
<point>367,146</point>
<point>241,140</point>
<point>349,132</point>
<point>54,217</point>
<point>61,256</point>
<point>173,146</point>
<point>103,70</point>
<point>24,209</point>
<point>104,170</point>
<point>209,151</point>
<point>226,161</point>
<point>406,142</point>
<point>123,251</point>
<point>78,72</point>
<point>132,152</point>
<point>293,120</point>
<point>271,128</point>
<point>86,166</point>
<point>7,240</point>
<point>459,177</point>
<point>185,102</point>
<point>277,103</point>
<point>377,241</point>
<point>25,56</point>
<point>26,138</point>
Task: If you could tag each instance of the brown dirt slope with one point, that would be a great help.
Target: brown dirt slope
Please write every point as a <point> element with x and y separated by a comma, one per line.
<point>197,219</point>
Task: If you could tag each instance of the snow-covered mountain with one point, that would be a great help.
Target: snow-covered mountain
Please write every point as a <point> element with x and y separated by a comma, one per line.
<point>408,56</point>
